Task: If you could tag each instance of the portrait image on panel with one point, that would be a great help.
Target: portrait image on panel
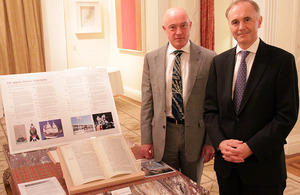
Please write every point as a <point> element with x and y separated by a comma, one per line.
<point>103,121</point>
<point>20,134</point>
<point>33,133</point>
<point>82,124</point>
<point>51,129</point>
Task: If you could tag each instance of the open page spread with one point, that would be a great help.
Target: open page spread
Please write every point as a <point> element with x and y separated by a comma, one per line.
<point>115,155</point>
<point>82,162</point>
<point>98,158</point>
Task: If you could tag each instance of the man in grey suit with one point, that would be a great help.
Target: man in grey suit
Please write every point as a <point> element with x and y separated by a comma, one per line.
<point>183,144</point>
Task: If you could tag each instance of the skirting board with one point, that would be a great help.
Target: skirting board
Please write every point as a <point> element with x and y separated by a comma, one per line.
<point>133,93</point>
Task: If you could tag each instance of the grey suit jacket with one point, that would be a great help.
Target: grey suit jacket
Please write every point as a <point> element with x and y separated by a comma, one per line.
<point>153,114</point>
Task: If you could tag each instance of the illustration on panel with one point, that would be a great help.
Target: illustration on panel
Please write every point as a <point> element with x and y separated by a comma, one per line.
<point>103,121</point>
<point>82,124</point>
<point>51,129</point>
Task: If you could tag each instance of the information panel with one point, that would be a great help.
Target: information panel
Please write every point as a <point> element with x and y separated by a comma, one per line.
<point>54,108</point>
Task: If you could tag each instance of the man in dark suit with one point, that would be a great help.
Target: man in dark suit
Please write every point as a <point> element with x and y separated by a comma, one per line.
<point>180,143</point>
<point>248,125</point>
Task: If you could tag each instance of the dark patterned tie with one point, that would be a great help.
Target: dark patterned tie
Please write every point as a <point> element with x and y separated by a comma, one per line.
<point>240,83</point>
<point>177,100</point>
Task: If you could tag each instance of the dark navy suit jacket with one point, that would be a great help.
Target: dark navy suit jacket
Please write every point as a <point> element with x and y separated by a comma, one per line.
<point>268,112</point>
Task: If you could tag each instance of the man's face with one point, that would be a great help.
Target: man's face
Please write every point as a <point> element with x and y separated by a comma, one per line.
<point>177,26</point>
<point>244,23</point>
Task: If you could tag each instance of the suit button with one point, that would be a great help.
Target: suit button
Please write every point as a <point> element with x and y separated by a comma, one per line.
<point>164,127</point>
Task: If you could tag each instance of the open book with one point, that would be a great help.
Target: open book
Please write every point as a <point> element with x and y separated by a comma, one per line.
<point>106,159</point>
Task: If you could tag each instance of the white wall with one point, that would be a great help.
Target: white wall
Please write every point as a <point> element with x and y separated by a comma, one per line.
<point>91,49</point>
<point>100,49</point>
<point>130,62</point>
<point>281,27</point>
<point>288,30</point>
<point>54,35</point>
<point>223,38</point>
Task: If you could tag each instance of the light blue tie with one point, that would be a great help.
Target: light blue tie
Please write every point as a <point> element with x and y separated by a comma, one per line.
<point>177,100</point>
<point>241,81</point>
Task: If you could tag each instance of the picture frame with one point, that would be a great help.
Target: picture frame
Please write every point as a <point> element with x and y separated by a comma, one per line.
<point>88,17</point>
<point>130,25</point>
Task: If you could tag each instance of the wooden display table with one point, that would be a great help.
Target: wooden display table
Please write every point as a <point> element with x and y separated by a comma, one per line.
<point>35,165</point>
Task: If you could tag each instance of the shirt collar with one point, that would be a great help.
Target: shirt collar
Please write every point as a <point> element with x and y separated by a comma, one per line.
<point>186,48</point>
<point>253,48</point>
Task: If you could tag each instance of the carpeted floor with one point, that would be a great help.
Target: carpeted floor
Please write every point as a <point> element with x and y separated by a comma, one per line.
<point>129,117</point>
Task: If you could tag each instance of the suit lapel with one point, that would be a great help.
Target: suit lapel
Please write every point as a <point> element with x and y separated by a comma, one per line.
<point>160,61</point>
<point>229,64</point>
<point>258,68</point>
<point>193,70</point>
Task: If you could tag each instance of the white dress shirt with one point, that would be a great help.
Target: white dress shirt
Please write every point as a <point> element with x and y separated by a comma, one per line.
<point>249,61</point>
<point>170,58</point>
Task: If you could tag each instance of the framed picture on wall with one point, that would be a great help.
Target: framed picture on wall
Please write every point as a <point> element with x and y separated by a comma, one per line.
<point>130,25</point>
<point>88,17</point>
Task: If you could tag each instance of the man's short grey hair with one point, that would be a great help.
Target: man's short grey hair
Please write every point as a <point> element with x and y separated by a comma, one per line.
<point>253,3</point>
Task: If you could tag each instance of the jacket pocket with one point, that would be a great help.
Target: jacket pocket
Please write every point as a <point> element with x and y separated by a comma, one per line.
<point>201,123</point>
<point>153,122</point>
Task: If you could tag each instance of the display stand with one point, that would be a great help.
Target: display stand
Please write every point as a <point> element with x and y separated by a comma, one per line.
<point>24,169</point>
<point>96,184</point>
<point>50,109</point>
<point>75,189</point>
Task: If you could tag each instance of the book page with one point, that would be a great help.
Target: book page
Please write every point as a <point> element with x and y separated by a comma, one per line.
<point>82,162</point>
<point>115,155</point>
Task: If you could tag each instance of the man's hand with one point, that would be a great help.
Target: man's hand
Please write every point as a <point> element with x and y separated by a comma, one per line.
<point>147,151</point>
<point>234,150</point>
<point>208,152</point>
<point>245,150</point>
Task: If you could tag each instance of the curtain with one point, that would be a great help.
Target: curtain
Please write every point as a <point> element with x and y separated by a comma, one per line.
<point>21,37</point>
<point>207,24</point>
